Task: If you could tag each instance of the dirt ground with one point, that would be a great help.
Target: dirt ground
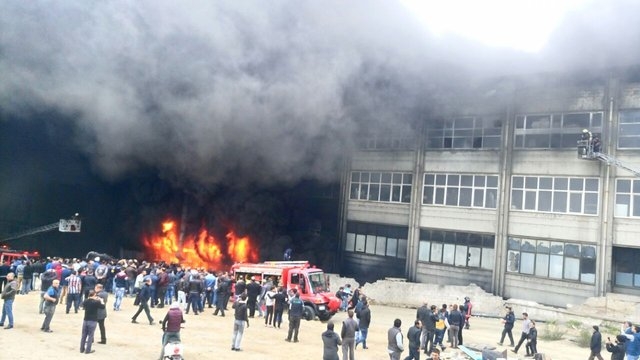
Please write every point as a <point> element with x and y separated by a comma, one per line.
<point>209,337</point>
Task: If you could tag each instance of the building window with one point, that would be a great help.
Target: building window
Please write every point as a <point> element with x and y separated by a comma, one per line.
<point>629,129</point>
<point>554,131</point>
<point>480,191</point>
<point>377,239</point>
<point>626,267</point>
<point>387,142</point>
<point>555,194</point>
<point>627,198</point>
<point>552,259</point>
<point>471,132</point>
<point>381,186</point>
<point>456,248</point>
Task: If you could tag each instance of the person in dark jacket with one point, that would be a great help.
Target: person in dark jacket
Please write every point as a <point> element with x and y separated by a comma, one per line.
<point>91,305</point>
<point>145,295</point>
<point>296,307</point>
<point>241,321</point>
<point>422,314</point>
<point>253,292</point>
<point>364,317</point>
<point>532,341</point>
<point>280,299</point>
<point>414,336</point>
<point>330,341</point>
<point>508,320</point>
<point>596,343</point>
<point>618,349</point>
<point>456,321</point>
<point>171,325</point>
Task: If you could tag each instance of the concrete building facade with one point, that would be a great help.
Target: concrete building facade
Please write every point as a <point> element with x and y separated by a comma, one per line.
<point>491,192</point>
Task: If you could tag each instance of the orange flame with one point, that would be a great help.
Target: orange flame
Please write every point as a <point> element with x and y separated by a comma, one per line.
<point>201,250</point>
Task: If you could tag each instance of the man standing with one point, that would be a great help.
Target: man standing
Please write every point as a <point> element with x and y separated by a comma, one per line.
<point>330,340</point>
<point>120,284</point>
<point>596,344</point>
<point>508,321</point>
<point>348,334</point>
<point>296,307</point>
<point>395,345</point>
<point>422,314</point>
<point>241,320</point>
<point>74,288</point>
<point>467,312</point>
<point>102,312</point>
<point>429,327</point>
<point>253,292</point>
<point>364,316</point>
<point>91,305</point>
<point>414,337</point>
<point>144,296</point>
<point>526,323</point>
<point>51,297</point>
<point>8,295</point>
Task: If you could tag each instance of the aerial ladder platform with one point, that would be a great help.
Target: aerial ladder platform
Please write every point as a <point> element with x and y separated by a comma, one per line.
<point>589,149</point>
<point>63,225</point>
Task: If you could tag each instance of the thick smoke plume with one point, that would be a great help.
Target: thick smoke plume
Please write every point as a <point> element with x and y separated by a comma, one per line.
<point>233,92</point>
<point>243,92</point>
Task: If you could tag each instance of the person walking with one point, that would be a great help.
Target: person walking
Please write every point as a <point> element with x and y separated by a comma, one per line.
<point>348,334</point>
<point>241,321</point>
<point>414,336</point>
<point>91,305</point>
<point>508,320</point>
<point>171,325</point>
<point>532,341</point>
<point>330,342</point>
<point>8,296</point>
<point>596,343</point>
<point>102,312</point>
<point>51,297</point>
<point>526,325</point>
<point>296,307</point>
<point>395,345</point>
<point>364,318</point>
<point>143,297</point>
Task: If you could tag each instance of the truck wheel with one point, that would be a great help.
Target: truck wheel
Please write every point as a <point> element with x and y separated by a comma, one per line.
<point>308,313</point>
<point>324,317</point>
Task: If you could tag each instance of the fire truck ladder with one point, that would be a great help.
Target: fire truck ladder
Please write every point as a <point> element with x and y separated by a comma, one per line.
<point>586,152</point>
<point>71,225</point>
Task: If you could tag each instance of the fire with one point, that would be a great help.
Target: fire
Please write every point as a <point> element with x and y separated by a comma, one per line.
<point>201,250</point>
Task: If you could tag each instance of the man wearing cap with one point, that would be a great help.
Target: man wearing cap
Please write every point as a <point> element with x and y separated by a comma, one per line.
<point>596,343</point>
<point>171,326</point>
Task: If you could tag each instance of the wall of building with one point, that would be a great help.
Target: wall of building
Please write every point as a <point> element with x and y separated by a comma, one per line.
<point>547,94</point>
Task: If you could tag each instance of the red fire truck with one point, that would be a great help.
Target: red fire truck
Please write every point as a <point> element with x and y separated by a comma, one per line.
<point>310,282</point>
<point>8,256</point>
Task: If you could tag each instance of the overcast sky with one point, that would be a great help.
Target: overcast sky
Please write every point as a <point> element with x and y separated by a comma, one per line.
<point>264,92</point>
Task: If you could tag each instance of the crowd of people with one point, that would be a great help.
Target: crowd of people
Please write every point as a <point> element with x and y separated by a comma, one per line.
<point>85,285</point>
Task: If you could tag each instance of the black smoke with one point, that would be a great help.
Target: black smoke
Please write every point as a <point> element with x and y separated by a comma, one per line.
<point>125,111</point>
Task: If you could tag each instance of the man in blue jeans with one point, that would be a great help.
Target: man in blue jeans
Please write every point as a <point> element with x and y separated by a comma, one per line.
<point>8,295</point>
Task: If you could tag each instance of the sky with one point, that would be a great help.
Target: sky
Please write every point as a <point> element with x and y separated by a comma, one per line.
<point>524,25</point>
